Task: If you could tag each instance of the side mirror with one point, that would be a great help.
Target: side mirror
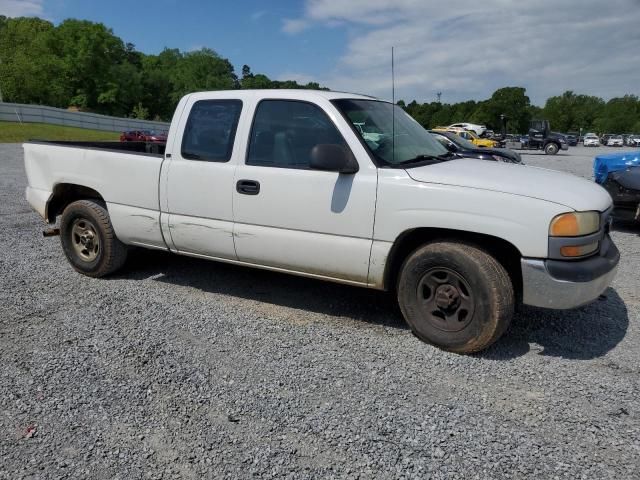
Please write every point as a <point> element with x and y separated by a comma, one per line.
<point>333,158</point>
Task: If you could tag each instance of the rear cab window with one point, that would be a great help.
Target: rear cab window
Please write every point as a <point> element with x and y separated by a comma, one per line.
<point>211,130</point>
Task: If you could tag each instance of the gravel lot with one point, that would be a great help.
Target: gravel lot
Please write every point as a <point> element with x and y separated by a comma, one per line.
<point>180,368</point>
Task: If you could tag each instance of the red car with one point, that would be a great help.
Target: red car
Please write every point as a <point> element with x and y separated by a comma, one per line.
<point>143,136</point>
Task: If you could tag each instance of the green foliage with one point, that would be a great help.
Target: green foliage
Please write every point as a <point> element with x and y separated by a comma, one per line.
<point>570,112</point>
<point>83,64</point>
<point>200,71</point>
<point>141,112</point>
<point>620,115</point>
<point>567,113</point>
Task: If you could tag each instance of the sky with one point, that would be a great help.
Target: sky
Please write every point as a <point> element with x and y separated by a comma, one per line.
<point>465,50</point>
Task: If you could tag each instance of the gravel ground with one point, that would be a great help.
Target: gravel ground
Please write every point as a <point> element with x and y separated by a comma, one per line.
<point>180,368</point>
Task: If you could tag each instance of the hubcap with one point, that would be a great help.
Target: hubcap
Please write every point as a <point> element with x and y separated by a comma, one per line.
<point>445,299</point>
<point>85,239</point>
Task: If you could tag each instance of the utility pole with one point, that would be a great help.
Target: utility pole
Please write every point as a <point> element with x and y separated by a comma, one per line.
<point>439,94</point>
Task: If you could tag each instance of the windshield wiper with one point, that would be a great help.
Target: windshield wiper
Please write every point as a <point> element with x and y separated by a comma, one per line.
<point>427,159</point>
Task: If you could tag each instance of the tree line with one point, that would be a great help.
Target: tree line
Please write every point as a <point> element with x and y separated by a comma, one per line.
<point>82,64</point>
<point>568,112</point>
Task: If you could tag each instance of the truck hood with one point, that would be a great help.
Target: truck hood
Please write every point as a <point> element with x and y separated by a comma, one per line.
<point>561,188</point>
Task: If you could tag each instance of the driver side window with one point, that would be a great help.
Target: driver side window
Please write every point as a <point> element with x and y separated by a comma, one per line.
<point>284,133</point>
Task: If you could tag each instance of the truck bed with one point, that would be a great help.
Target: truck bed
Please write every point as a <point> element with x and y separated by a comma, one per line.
<point>126,175</point>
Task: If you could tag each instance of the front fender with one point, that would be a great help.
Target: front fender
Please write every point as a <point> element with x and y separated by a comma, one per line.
<point>404,204</point>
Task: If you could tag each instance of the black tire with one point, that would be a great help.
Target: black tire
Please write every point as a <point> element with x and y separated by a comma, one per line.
<point>551,149</point>
<point>88,239</point>
<point>479,285</point>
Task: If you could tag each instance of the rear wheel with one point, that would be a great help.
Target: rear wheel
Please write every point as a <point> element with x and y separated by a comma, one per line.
<point>551,149</point>
<point>455,296</point>
<point>88,239</point>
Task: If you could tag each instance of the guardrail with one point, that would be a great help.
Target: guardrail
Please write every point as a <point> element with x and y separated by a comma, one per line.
<point>18,112</point>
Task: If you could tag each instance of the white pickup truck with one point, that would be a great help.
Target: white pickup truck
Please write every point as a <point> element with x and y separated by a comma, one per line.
<point>284,180</point>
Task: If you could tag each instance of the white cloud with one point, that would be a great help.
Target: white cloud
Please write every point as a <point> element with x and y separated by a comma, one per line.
<point>21,8</point>
<point>293,26</point>
<point>470,48</point>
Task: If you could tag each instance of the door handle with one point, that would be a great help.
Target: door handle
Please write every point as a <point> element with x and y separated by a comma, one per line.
<point>248,187</point>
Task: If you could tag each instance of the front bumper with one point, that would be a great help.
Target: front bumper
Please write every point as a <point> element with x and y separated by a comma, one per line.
<point>564,146</point>
<point>562,284</point>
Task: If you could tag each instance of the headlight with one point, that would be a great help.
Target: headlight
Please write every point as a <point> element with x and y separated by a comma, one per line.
<point>575,224</point>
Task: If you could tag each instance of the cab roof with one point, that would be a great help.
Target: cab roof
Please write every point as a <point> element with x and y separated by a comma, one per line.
<point>300,94</point>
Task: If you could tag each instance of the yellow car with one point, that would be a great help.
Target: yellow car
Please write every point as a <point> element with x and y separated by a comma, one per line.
<point>471,136</point>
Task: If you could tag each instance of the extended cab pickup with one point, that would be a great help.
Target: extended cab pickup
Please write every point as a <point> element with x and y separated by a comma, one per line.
<point>285,180</point>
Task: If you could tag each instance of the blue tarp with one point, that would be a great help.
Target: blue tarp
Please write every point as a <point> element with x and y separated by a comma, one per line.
<point>605,164</point>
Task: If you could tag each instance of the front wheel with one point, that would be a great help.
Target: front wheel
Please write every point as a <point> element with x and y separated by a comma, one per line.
<point>455,296</point>
<point>551,149</point>
<point>89,241</point>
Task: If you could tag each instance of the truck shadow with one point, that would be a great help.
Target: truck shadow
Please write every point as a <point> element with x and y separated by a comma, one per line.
<point>582,334</point>
<point>304,294</point>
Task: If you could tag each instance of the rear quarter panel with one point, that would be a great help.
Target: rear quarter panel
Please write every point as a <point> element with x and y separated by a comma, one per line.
<point>127,182</point>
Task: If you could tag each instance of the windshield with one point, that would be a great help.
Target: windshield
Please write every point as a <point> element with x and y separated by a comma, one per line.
<point>471,134</point>
<point>392,146</point>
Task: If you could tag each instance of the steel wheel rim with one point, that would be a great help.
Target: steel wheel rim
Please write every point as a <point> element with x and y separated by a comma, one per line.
<point>85,239</point>
<point>445,299</point>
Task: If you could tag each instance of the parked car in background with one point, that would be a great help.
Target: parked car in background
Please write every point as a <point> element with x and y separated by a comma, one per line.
<point>477,129</point>
<point>615,141</point>
<point>591,140</point>
<point>143,136</point>
<point>633,141</point>
<point>605,138</point>
<point>469,135</point>
<point>488,134</point>
<point>155,136</point>
<point>619,174</point>
<point>572,140</point>
<point>464,148</point>
<point>132,136</point>
<point>577,137</point>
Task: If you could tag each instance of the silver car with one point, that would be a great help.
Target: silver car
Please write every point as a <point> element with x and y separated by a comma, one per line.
<point>615,141</point>
<point>591,140</point>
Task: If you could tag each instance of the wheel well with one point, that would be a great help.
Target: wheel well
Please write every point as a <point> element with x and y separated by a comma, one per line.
<point>506,253</point>
<point>66,193</point>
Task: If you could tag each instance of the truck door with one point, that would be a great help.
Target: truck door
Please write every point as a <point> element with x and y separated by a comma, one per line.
<point>291,217</point>
<point>197,184</point>
<point>537,133</point>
